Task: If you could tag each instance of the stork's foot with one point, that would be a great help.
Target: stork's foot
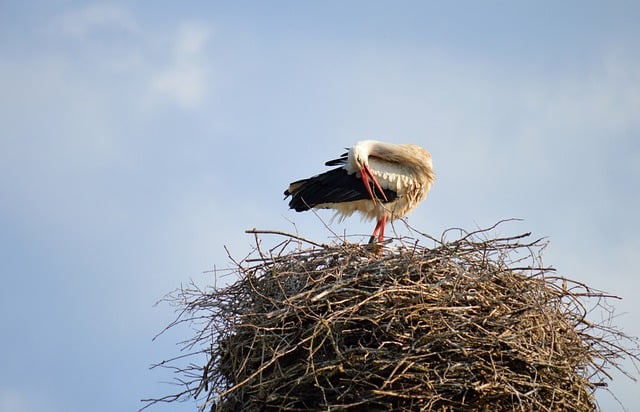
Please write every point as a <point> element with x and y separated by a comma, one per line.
<point>373,241</point>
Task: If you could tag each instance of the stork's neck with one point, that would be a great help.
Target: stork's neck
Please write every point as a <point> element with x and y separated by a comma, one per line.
<point>413,159</point>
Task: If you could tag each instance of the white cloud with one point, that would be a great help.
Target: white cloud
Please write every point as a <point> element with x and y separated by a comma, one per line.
<point>182,83</point>
<point>191,38</point>
<point>174,65</point>
<point>606,100</point>
<point>184,80</point>
<point>96,17</point>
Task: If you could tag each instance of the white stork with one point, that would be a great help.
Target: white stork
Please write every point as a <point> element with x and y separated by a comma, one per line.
<point>381,180</point>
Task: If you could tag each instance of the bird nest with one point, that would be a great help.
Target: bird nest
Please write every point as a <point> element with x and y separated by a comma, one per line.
<point>476,323</point>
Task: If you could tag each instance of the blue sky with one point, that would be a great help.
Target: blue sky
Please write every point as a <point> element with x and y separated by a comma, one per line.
<point>138,139</point>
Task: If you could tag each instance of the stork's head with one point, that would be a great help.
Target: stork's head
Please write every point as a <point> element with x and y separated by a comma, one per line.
<point>359,154</point>
<point>358,161</point>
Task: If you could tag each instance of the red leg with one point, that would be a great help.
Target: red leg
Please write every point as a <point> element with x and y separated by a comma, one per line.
<point>375,234</point>
<point>382,223</point>
<point>379,230</point>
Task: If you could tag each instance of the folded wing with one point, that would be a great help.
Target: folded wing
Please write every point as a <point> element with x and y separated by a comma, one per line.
<point>334,186</point>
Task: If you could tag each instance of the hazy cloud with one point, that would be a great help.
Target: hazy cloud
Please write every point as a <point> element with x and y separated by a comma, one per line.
<point>184,79</point>
<point>97,17</point>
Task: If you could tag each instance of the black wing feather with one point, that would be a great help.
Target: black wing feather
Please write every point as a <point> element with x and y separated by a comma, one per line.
<point>334,186</point>
<point>339,161</point>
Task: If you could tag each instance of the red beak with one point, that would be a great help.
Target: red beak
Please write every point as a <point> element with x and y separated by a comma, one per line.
<point>366,176</point>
